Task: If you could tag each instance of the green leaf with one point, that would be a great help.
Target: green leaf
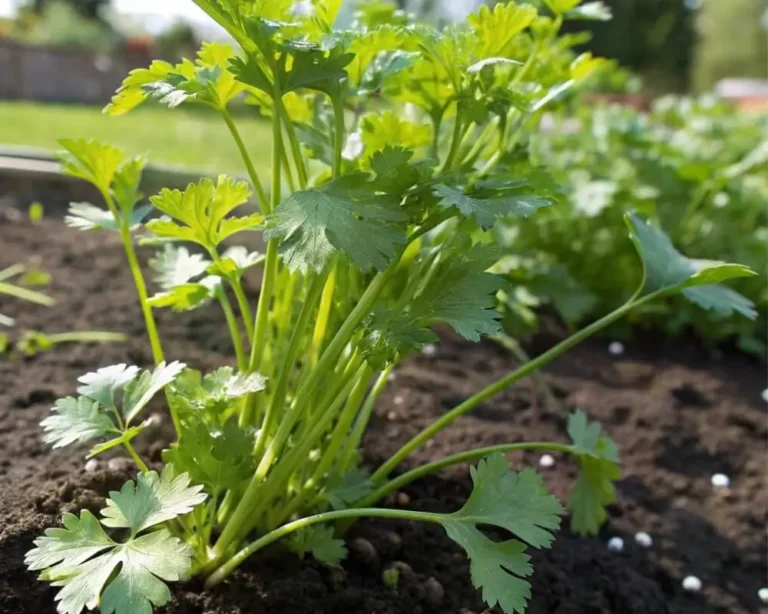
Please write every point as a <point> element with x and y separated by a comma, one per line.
<point>234,262</point>
<point>93,161</point>
<point>104,384</point>
<point>200,212</point>
<point>668,271</point>
<point>139,392</point>
<point>342,491</point>
<point>146,562</point>
<point>320,542</point>
<point>186,297</point>
<point>395,173</point>
<point>151,500</point>
<point>515,502</point>
<point>316,68</point>
<point>497,28</point>
<point>391,333</point>
<point>64,554</point>
<point>79,540</point>
<point>461,293</point>
<point>127,182</point>
<point>594,489</point>
<point>388,129</point>
<point>174,266</point>
<point>312,225</point>
<point>219,458</point>
<point>206,81</point>
<point>76,421</point>
<point>85,216</point>
<point>487,210</point>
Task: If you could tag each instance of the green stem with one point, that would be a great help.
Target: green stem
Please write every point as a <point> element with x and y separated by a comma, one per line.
<point>87,336</point>
<point>12,271</point>
<point>499,385</point>
<point>225,570</point>
<point>27,295</point>
<point>358,430</point>
<point>301,168</point>
<point>323,316</point>
<point>146,309</point>
<point>278,398</point>
<point>456,459</point>
<point>234,330</point>
<point>455,142</point>
<point>252,174</point>
<point>136,458</point>
<point>338,133</point>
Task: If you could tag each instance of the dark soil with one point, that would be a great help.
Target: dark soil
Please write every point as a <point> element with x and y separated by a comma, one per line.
<point>678,414</point>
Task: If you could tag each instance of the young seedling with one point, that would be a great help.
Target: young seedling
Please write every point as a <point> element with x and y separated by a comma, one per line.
<point>367,253</point>
<point>33,342</point>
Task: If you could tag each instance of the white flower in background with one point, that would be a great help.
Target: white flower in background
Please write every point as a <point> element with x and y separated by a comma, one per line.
<point>616,348</point>
<point>643,539</point>
<point>353,148</point>
<point>615,544</point>
<point>763,594</point>
<point>721,200</point>
<point>720,480</point>
<point>303,8</point>
<point>547,461</point>
<point>692,584</point>
<point>765,395</point>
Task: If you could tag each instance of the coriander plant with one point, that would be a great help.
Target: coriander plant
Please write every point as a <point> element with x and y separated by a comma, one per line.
<point>389,167</point>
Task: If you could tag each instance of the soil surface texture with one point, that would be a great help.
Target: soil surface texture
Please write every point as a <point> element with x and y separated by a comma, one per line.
<point>678,413</point>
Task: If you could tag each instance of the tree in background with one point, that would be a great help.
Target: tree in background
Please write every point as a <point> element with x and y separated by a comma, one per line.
<point>90,9</point>
<point>733,41</point>
<point>655,38</point>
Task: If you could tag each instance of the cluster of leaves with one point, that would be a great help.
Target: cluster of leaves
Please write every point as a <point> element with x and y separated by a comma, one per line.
<point>695,167</point>
<point>388,233</point>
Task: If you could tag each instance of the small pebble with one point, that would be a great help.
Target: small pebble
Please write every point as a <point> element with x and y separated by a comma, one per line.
<point>404,569</point>
<point>91,466</point>
<point>765,395</point>
<point>643,539</point>
<point>399,400</point>
<point>364,551</point>
<point>616,348</point>
<point>391,416</point>
<point>403,500</point>
<point>615,544</point>
<point>429,350</point>
<point>547,461</point>
<point>154,420</point>
<point>763,594</point>
<point>720,480</point>
<point>435,591</point>
<point>392,377</point>
<point>119,465</point>
<point>692,584</point>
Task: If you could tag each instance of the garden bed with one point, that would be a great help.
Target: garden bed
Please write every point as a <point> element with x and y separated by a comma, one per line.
<point>677,413</point>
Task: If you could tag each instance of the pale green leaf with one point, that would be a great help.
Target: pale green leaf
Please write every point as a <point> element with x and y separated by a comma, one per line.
<point>200,211</point>
<point>103,384</point>
<point>151,500</point>
<point>85,216</point>
<point>590,11</point>
<point>175,265</point>
<point>79,540</point>
<point>139,392</point>
<point>93,161</point>
<point>186,297</point>
<point>76,421</point>
<point>342,491</point>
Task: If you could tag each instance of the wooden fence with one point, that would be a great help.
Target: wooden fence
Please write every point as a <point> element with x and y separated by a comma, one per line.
<point>45,74</point>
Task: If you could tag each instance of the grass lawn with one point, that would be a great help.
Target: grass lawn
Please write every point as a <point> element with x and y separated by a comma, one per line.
<point>175,137</point>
